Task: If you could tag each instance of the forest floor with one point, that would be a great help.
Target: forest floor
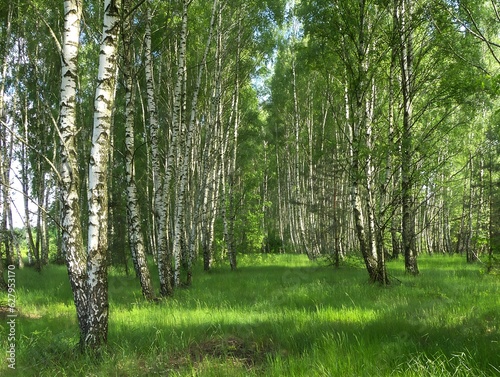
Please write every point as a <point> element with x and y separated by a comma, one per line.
<point>278,315</point>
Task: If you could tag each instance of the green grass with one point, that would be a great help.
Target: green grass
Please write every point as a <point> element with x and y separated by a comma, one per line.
<point>278,315</point>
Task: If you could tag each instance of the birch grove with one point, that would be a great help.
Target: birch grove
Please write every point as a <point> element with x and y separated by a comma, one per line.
<point>182,134</point>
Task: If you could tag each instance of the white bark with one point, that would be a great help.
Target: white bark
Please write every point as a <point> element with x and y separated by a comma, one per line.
<point>97,245</point>
<point>136,238</point>
<point>5,153</point>
<point>234,152</point>
<point>4,157</point>
<point>406,59</point>
<point>209,207</point>
<point>72,241</point>
<point>159,205</point>
<point>185,148</point>
<point>177,145</point>
<point>211,158</point>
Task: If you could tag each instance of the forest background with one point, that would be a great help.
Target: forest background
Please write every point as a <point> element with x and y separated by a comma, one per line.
<point>186,131</point>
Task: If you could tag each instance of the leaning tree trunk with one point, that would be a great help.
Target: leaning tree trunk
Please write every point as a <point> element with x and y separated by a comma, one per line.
<point>360,102</point>
<point>365,246</point>
<point>97,281</point>
<point>32,249</point>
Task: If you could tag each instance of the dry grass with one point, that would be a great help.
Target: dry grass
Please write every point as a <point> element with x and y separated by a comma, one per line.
<point>227,349</point>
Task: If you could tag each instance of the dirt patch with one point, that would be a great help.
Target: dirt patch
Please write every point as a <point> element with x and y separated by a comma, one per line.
<point>231,349</point>
<point>5,311</point>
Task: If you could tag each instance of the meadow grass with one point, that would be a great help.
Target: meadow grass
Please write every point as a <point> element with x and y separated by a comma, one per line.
<point>277,315</point>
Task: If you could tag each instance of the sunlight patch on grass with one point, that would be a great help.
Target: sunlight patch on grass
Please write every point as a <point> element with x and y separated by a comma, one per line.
<point>308,320</point>
<point>346,315</point>
<point>461,364</point>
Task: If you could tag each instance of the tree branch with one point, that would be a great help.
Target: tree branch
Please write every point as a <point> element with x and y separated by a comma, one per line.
<point>479,35</point>
<point>51,31</point>
<point>26,143</point>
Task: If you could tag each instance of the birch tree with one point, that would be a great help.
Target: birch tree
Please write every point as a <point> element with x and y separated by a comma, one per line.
<point>136,238</point>
<point>358,70</point>
<point>6,146</point>
<point>159,199</point>
<point>407,160</point>
<point>187,153</point>
<point>177,143</point>
<point>72,239</point>
<point>97,245</point>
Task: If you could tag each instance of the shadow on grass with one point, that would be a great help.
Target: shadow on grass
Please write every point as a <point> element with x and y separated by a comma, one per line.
<point>394,342</point>
<point>253,346</point>
<point>261,313</point>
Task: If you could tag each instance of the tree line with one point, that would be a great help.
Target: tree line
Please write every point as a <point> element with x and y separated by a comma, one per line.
<point>382,121</point>
<point>184,130</point>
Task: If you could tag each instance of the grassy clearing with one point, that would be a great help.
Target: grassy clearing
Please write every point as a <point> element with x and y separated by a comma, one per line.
<point>278,315</point>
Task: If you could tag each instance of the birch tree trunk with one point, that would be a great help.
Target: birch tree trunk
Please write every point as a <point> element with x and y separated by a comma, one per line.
<point>376,248</point>
<point>6,237</point>
<point>356,200</point>
<point>97,295</point>
<point>45,229</point>
<point>41,224</point>
<point>360,98</point>
<point>4,197</point>
<point>32,249</point>
<point>207,211</point>
<point>177,141</point>
<point>159,205</point>
<point>185,149</point>
<point>209,207</point>
<point>407,184</point>
<point>136,238</point>
<point>232,161</point>
<point>72,241</point>
<point>211,156</point>
<point>389,191</point>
